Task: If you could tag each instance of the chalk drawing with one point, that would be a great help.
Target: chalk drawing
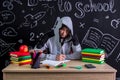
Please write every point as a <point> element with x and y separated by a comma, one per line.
<point>115,23</point>
<point>107,17</point>
<point>23,11</point>
<point>9,4</point>
<point>33,2</point>
<point>9,32</point>
<point>96,39</point>
<point>6,17</point>
<point>118,58</point>
<point>81,25</point>
<point>96,20</point>
<point>32,20</point>
<point>44,22</point>
<point>6,47</point>
<point>49,8</point>
<point>20,40</point>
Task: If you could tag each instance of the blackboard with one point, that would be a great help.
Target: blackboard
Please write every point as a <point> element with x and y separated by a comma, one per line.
<point>96,22</point>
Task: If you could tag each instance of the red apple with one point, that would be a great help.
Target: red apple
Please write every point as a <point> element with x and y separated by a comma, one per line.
<point>23,48</point>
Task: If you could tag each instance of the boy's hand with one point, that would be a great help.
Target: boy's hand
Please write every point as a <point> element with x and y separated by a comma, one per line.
<point>75,40</point>
<point>60,57</point>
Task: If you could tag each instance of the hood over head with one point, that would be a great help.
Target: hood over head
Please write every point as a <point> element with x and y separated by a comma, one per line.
<point>67,22</point>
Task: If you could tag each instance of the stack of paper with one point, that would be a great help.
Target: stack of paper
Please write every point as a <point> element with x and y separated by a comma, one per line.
<point>93,55</point>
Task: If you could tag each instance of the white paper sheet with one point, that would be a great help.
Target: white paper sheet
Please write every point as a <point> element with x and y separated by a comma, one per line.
<point>53,63</point>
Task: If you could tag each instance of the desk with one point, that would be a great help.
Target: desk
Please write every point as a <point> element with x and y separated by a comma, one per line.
<point>101,72</point>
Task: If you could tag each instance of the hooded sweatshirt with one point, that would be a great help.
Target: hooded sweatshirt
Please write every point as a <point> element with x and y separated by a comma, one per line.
<point>54,44</point>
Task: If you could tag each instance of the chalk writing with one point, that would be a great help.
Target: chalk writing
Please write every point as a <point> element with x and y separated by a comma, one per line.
<point>66,6</point>
<point>93,7</point>
<point>33,36</point>
<point>9,32</point>
<point>6,17</point>
<point>115,23</point>
<point>95,38</point>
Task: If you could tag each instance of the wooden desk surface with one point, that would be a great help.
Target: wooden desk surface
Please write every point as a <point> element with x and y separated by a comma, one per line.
<point>26,68</point>
<point>101,72</point>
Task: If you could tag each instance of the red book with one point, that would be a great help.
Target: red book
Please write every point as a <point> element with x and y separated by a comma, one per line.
<point>93,56</point>
<point>19,54</point>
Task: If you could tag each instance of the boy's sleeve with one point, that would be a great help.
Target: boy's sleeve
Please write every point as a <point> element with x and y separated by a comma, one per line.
<point>48,56</point>
<point>76,52</point>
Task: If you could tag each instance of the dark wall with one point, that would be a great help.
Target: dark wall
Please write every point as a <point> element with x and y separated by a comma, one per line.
<point>96,22</point>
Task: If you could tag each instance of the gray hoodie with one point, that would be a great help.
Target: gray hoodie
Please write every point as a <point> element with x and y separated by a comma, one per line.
<point>54,44</point>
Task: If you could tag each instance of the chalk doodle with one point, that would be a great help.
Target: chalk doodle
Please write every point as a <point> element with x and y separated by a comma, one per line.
<point>64,6</point>
<point>96,20</point>
<point>33,2</point>
<point>20,40</point>
<point>5,47</point>
<point>115,23</point>
<point>96,39</point>
<point>118,58</point>
<point>32,20</point>
<point>6,17</point>
<point>9,32</point>
<point>44,22</point>
<point>9,4</point>
<point>107,17</point>
<point>49,8</point>
<point>81,25</point>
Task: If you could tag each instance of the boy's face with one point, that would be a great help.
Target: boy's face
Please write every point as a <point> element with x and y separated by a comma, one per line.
<point>64,31</point>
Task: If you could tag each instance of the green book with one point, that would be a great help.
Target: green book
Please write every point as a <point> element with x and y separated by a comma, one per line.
<point>93,61</point>
<point>20,58</point>
<point>93,50</point>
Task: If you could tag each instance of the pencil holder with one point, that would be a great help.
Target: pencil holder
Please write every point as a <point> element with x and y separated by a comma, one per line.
<point>35,60</point>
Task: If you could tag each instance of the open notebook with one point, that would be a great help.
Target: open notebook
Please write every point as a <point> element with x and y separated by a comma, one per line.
<point>53,63</point>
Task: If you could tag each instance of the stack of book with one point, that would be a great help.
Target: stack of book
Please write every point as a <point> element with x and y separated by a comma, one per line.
<point>93,55</point>
<point>20,58</point>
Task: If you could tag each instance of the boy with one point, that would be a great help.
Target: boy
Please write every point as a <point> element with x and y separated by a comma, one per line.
<point>67,46</point>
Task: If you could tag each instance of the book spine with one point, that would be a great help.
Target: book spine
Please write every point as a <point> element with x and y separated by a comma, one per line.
<point>91,54</point>
<point>92,50</point>
<point>92,61</point>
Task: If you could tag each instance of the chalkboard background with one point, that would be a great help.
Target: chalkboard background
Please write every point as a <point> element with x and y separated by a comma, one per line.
<point>96,22</point>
